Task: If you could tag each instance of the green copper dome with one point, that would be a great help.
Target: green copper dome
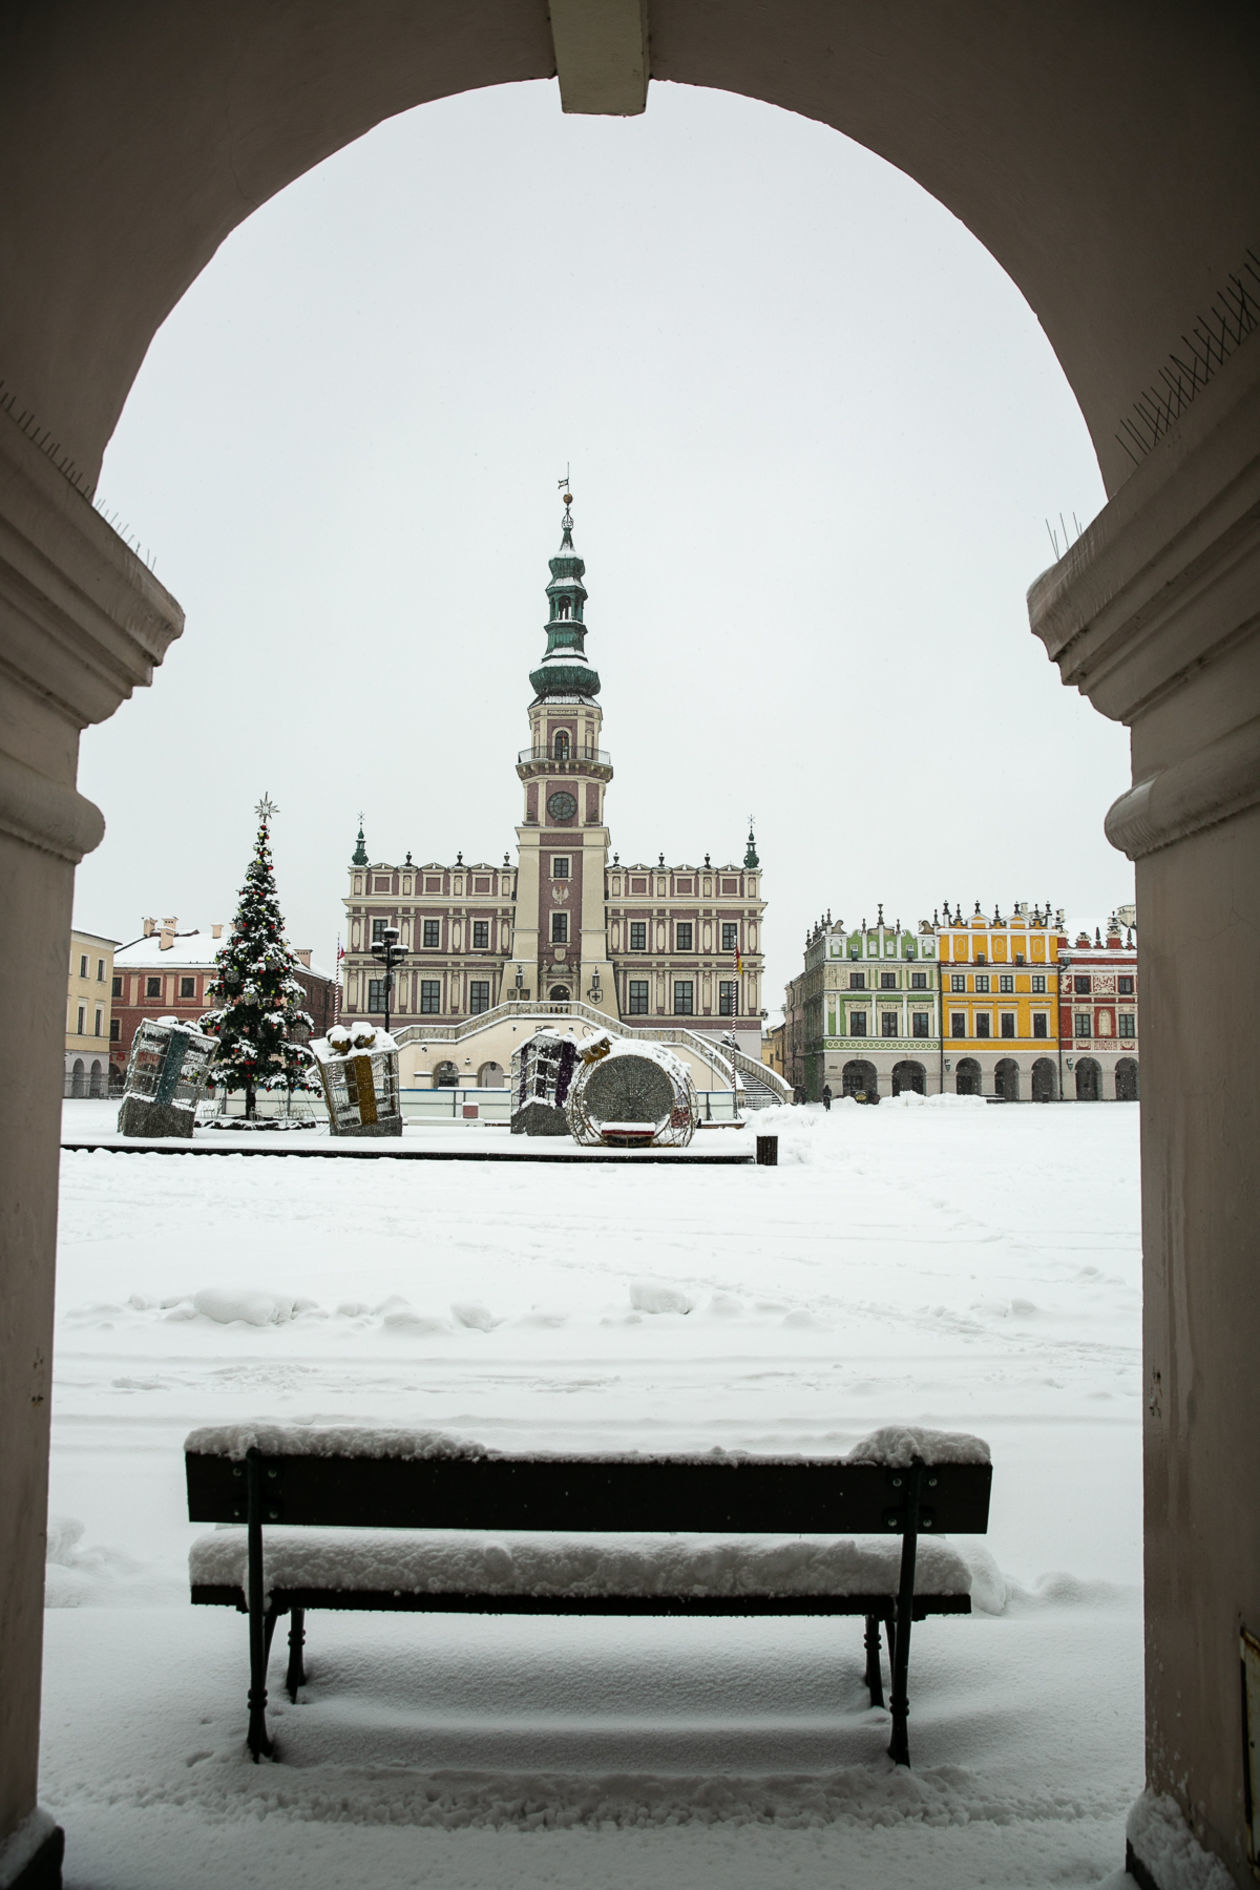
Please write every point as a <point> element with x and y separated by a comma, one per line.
<point>564,670</point>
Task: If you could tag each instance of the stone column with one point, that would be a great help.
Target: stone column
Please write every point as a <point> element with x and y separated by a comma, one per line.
<point>82,622</point>
<point>1155,615</point>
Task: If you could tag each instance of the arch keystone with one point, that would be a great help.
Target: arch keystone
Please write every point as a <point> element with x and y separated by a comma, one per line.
<point>601,51</point>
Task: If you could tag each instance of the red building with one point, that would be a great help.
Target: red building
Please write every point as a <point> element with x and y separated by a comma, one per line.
<point>1098,1013</point>
<point>165,972</point>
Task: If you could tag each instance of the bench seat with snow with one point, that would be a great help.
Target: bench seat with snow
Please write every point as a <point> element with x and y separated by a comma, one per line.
<point>444,1525</point>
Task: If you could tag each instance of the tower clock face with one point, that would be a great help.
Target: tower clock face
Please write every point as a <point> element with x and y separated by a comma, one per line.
<point>562,806</point>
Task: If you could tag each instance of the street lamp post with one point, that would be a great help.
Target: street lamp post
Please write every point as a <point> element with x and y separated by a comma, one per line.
<point>388,953</point>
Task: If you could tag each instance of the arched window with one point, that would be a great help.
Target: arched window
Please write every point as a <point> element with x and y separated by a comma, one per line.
<point>559,994</point>
<point>561,744</point>
<point>490,1076</point>
<point>563,606</point>
<point>446,1076</point>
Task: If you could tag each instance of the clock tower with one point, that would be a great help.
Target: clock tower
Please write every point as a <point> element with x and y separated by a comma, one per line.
<point>560,950</point>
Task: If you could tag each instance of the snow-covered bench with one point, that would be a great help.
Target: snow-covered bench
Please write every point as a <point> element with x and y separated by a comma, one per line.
<point>720,1534</point>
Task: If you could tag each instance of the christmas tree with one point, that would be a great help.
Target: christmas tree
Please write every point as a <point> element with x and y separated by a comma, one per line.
<point>258,995</point>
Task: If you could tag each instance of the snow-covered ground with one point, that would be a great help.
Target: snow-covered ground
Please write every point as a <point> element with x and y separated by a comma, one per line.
<point>948,1264</point>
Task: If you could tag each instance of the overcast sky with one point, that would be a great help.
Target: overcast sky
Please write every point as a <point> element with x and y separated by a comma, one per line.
<point>814,432</point>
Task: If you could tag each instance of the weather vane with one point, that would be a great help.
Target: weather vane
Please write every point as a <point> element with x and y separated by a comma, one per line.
<point>266,808</point>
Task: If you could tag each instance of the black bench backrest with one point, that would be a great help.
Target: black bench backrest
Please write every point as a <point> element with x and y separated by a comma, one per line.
<point>660,1495</point>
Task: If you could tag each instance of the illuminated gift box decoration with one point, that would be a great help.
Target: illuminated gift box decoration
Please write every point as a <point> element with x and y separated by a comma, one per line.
<point>166,1078</point>
<point>542,1071</point>
<point>631,1095</point>
<point>358,1067</point>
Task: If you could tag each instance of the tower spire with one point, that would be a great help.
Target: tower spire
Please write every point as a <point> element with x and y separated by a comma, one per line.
<point>564,670</point>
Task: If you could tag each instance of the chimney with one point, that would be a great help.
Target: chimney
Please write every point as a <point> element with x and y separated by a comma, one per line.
<point>168,934</point>
<point>216,931</point>
<point>150,927</point>
<point>303,957</point>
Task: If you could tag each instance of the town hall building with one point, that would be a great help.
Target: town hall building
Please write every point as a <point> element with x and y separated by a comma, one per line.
<point>660,948</point>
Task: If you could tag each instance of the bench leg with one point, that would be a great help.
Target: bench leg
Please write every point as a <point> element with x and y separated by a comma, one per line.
<point>262,1620</point>
<point>874,1673</point>
<point>296,1674</point>
<point>899,1700</point>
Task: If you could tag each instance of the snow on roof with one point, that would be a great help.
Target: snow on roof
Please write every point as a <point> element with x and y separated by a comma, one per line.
<point>195,948</point>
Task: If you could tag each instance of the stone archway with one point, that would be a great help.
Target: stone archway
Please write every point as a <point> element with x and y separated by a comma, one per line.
<point>1045,1082</point>
<point>1046,147</point>
<point>446,1075</point>
<point>1088,1079</point>
<point>1006,1079</point>
<point>1127,1080</point>
<point>910,1076</point>
<point>860,1080</point>
<point>967,1078</point>
<point>491,1076</point>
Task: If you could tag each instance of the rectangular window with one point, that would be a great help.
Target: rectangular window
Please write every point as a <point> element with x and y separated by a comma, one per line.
<point>1039,981</point>
<point>481,935</point>
<point>117,987</point>
<point>432,934</point>
<point>982,958</point>
<point>376,994</point>
<point>115,1030</point>
<point>888,1024</point>
<point>1041,1024</point>
<point>1006,982</point>
<point>857,1023</point>
<point>918,981</point>
<point>79,1028</point>
<point>1084,1024</point>
<point>560,866</point>
<point>378,929</point>
<point>478,996</point>
<point>1081,986</point>
<point>1128,1024</point>
<point>958,981</point>
<point>984,1024</point>
<point>637,1004</point>
<point>682,936</point>
<point>921,1023</point>
<point>559,928</point>
<point>188,987</point>
<point>958,1023</point>
<point>726,997</point>
<point>638,935</point>
<point>83,965</point>
<point>982,981</point>
<point>100,971</point>
<point>684,997</point>
<point>730,935</point>
<point>1124,986</point>
<point>1019,958</point>
<point>430,996</point>
<point>888,981</point>
<point>153,987</point>
<point>857,981</point>
<point>1006,1023</point>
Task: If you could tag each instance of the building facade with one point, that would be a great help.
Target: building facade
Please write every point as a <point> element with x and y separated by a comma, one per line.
<point>1098,1014</point>
<point>869,1015</point>
<point>164,973</point>
<point>971,1005</point>
<point>568,923</point>
<point>88,1013</point>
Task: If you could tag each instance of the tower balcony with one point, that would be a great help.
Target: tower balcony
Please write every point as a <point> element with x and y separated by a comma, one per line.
<point>579,760</point>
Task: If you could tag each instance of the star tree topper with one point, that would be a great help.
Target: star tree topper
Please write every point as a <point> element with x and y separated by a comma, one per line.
<point>266,808</point>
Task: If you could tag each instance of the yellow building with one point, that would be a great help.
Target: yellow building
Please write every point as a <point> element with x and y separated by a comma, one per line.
<point>91,985</point>
<point>999,1004</point>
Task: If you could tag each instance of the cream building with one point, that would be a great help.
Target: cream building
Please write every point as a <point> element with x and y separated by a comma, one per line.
<point>88,1005</point>
<point>673,951</point>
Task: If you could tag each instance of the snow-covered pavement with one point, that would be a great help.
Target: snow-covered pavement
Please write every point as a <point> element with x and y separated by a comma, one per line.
<point>948,1264</point>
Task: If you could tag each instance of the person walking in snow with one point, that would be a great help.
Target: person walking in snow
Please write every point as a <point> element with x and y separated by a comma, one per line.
<point>826,1096</point>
